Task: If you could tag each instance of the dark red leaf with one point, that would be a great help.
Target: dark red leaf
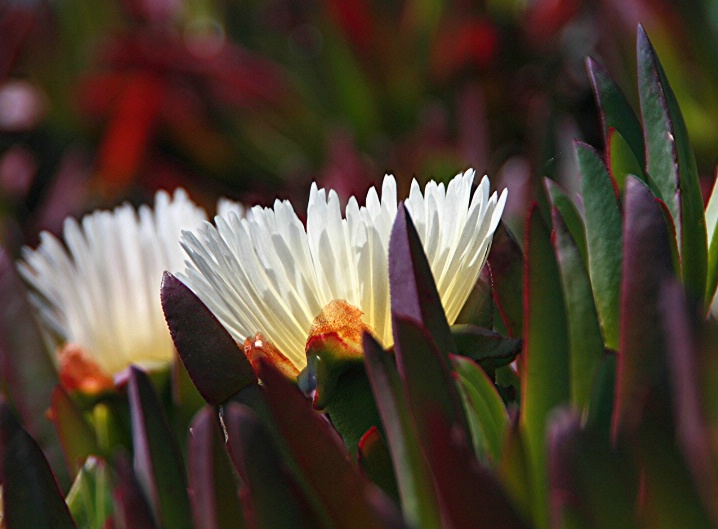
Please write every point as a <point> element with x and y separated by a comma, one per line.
<point>212,358</point>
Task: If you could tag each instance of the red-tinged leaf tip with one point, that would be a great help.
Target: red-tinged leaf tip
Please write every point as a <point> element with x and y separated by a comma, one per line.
<point>647,264</point>
<point>411,283</point>
<point>31,497</point>
<point>215,363</point>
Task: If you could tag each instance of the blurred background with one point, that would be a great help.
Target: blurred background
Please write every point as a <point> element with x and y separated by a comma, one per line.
<point>109,100</point>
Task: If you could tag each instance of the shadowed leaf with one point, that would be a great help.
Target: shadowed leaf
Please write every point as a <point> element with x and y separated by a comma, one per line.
<point>215,364</point>
<point>28,372</point>
<point>621,160</point>
<point>416,490</point>
<point>158,463</point>
<point>215,503</point>
<point>592,485</point>
<point>544,367</point>
<point>429,385</point>
<point>471,495</point>
<point>689,353</point>
<point>506,260</point>
<point>348,498</point>
<point>131,508</point>
<point>31,498</point>
<point>485,346</point>
<point>274,499</point>
<point>647,263</point>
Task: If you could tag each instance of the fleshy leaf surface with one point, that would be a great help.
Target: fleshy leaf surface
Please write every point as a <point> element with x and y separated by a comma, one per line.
<point>215,502</point>
<point>616,111</point>
<point>603,236</point>
<point>416,490</point>
<point>158,463</point>
<point>216,365</point>
<point>544,367</point>
<point>584,331</point>
<point>351,502</point>
<point>647,263</point>
<point>31,497</point>
<point>671,164</point>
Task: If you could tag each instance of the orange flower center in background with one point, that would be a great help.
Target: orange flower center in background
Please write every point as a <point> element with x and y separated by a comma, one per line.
<point>78,372</point>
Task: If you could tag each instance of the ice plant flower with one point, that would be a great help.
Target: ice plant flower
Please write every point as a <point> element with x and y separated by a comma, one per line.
<point>98,294</point>
<point>266,273</point>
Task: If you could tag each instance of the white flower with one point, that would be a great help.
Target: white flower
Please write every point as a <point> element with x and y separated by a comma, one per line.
<point>266,273</point>
<point>100,292</point>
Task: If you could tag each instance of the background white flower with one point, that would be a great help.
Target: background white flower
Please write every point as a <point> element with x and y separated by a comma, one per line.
<point>100,292</point>
<point>267,273</point>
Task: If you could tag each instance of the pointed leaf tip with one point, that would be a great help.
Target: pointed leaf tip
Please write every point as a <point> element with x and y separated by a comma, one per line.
<point>413,289</point>
<point>215,363</point>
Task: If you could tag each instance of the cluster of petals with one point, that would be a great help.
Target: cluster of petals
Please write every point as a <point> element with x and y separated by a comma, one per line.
<point>263,270</point>
<point>98,289</point>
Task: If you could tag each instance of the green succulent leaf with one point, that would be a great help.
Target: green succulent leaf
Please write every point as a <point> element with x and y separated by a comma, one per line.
<point>486,412</point>
<point>487,347</point>
<point>600,404</point>
<point>671,164</point>
<point>621,160</point>
<point>603,236</point>
<point>545,372</point>
<point>77,436</point>
<point>158,463</point>
<point>616,111</point>
<point>585,340</point>
<point>571,216</point>
<point>90,497</point>
<point>215,503</point>
<point>711,216</point>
